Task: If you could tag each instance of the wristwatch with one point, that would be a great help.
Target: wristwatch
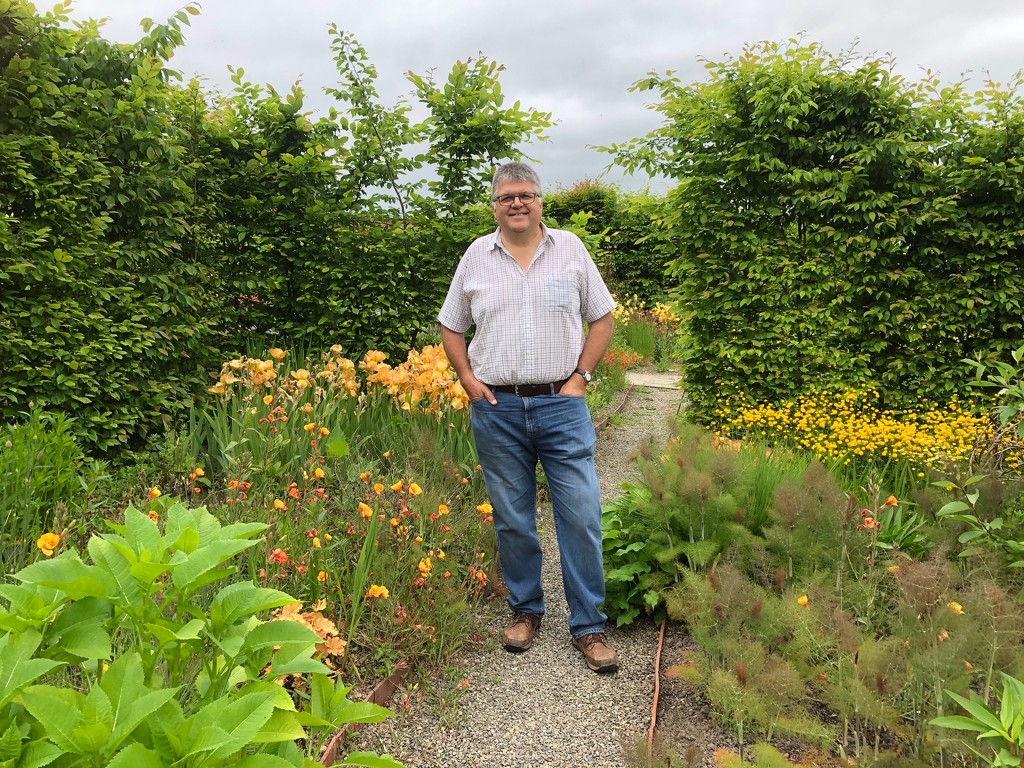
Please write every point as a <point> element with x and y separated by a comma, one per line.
<point>587,377</point>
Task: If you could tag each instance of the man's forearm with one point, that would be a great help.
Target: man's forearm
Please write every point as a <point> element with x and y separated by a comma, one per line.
<point>599,336</point>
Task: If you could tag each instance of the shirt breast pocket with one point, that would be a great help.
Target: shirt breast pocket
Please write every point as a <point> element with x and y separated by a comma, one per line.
<point>561,293</point>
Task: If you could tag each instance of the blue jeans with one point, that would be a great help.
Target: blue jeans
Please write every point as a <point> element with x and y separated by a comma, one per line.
<point>510,438</point>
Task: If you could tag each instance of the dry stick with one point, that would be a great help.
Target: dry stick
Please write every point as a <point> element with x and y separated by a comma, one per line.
<point>657,689</point>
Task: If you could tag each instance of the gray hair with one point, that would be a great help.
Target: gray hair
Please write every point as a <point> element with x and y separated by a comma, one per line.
<point>515,172</point>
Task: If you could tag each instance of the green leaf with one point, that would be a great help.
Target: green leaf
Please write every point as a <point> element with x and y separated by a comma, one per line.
<point>59,712</point>
<point>112,564</point>
<point>67,573</point>
<point>137,755</point>
<point>133,702</point>
<point>17,667</point>
<point>243,599</point>
<point>234,724</point>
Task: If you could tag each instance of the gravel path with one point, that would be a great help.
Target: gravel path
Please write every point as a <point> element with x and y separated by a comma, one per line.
<point>544,707</point>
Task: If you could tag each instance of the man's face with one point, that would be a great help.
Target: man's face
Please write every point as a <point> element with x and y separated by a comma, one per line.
<point>517,217</point>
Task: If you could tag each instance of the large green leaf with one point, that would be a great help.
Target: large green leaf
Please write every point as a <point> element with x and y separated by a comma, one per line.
<point>189,572</point>
<point>141,533</point>
<point>114,565</point>
<point>131,699</point>
<point>138,756</point>
<point>59,712</point>
<point>243,598</point>
<point>18,668</point>
<point>80,630</point>
<point>224,727</point>
<point>67,573</point>
<point>282,726</point>
<point>30,604</point>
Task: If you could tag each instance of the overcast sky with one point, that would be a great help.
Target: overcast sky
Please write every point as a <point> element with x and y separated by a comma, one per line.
<point>573,58</point>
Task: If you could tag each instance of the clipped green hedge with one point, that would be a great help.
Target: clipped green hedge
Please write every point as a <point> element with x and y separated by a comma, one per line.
<point>837,225</point>
<point>149,230</point>
<point>101,310</point>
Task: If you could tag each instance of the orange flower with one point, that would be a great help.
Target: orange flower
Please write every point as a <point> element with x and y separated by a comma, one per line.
<point>279,505</point>
<point>394,522</point>
<point>378,592</point>
<point>397,487</point>
<point>365,510</point>
<point>802,601</point>
<point>154,493</point>
<point>316,542</point>
<point>324,431</point>
<point>309,427</point>
<point>321,577</point>
<point>485,508</point>
<point>425,567</point>
<point>442,509</point>
<point>277,353</point>
<point>268,399</point>
<point>414,490</point>
<point>279,556</point>
<point>197,472</point>
<point>378,488</point>
<point>154,515</point>
<point>892,501</point>
<point>47,543</point>
<point>319,473</point>
<point>869,522</point>
<point>364,476</point>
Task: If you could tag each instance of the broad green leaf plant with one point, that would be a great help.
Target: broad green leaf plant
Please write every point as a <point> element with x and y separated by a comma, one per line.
<point>1001,730</point>
<point>141,655</point>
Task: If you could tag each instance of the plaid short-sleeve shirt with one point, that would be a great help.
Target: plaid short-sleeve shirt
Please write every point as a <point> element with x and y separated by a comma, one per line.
<point>529,323</point>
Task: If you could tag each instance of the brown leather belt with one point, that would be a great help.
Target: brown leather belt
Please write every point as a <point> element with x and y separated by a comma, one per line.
<point>529,390</point>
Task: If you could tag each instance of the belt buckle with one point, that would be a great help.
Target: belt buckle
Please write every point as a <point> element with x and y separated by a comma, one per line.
<point>516,391</point>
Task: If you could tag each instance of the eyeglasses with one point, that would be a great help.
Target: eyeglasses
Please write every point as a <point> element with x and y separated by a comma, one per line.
<point>525,198</point>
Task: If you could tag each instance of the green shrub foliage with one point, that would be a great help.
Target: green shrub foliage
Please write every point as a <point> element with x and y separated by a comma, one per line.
<point>837,224</point>
<point>102,309</point>
<point>150,230</point>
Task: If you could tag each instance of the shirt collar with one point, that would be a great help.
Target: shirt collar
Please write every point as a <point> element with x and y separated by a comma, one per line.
<point>494,239</point>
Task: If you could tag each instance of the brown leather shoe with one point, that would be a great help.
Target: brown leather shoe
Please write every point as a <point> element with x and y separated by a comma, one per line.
<point>600,656</point>
<point>518,635</point>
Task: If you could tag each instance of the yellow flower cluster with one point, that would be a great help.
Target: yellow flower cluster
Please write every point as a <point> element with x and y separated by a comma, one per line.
<point>424,382</point>
<point>849,424</point>
<point>664,314</point>
<point>627,307</point>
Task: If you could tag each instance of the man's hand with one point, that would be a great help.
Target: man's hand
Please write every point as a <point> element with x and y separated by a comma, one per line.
<point>575,386</point>
<point>477,390</point>
<point>454,344</point>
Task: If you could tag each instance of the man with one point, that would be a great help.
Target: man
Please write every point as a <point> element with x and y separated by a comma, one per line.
<point>529,290</point>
